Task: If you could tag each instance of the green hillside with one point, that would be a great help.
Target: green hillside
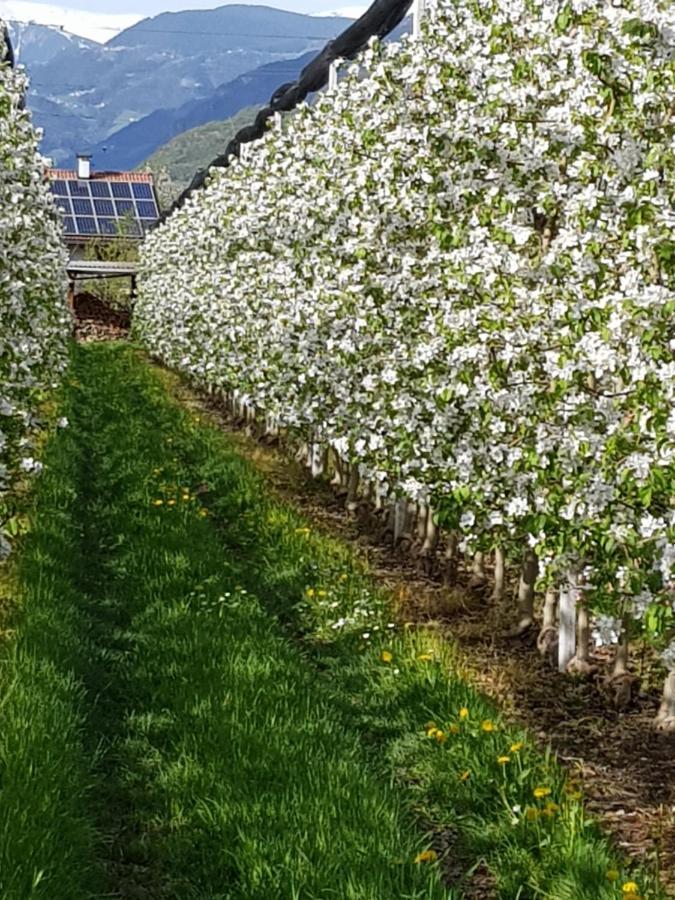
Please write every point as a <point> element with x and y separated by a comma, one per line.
<point>175,163</point>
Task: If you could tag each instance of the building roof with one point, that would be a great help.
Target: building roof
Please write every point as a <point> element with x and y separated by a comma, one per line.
<point>71,175</point>
<point>104,205</point>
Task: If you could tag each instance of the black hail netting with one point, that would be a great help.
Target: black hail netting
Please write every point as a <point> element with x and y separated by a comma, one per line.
<point>378,21</point>
<point>6,49</point>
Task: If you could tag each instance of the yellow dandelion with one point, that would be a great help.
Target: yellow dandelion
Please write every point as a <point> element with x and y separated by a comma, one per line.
<point>430,726</point>
<point>386,656</point>
<point>309,592</point>
<point>552,807</point>
<point>487,725</point>
<point>425,657</point>
<point>502,760</point>
<point>465,775</point>
<point>540,792</point>
<point>344,576</point>
<point>515,748</point>
<point>426,856</point>
<point>158,502</point>
<point>304,531</point>
<point>613,875</point>
<point>322,593</point>
<point>464,713</point>
<point>441,736</point>
<point>630,887</point>
<point>171,502</point>
<point>203,513</point>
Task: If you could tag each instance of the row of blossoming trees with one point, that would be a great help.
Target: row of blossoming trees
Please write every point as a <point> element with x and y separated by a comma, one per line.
<point>457,270</point>
<point>34,321</point>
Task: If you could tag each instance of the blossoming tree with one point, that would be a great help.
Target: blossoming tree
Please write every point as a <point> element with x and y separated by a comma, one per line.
<point>457,270</point>
<point>34,320</point>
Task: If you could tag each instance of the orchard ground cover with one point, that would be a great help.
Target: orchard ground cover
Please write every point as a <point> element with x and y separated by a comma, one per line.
<point>203,696</point>
<point>627,770</point>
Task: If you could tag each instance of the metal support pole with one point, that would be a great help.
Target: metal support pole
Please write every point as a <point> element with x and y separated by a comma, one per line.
<point>418,14</point>
<point>333,76</point>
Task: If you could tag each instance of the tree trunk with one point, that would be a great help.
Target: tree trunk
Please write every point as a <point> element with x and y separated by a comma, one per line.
<point>430,533</point>
<point>334,467</point>
<point>500,576</point>
<point>567,616</point>
<point>423,513</point>
<point>450,573</point>
<point>547,640</point>
<point>665,718</point>
<point>528,578</point>
<point>400,518</point>
<point>478,575</point>
<point>621,682</point>
<point>317,460</point>
<point>352,503</point>
<point>581,662</point>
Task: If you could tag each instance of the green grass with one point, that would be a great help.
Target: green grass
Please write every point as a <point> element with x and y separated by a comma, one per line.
<point>158,731</point>
<point>205,698</point>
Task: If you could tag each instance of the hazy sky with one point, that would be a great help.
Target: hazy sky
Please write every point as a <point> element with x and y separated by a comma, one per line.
<point>101,19</point>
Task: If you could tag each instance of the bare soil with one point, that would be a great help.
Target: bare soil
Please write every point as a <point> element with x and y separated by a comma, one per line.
<point>96,321</point>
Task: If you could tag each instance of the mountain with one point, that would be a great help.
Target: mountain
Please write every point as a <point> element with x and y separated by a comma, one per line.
<point>128,147</point>
<point>175,163</point>
<point>83,92</point>
<point>131,145</point>
<point>36,45</point>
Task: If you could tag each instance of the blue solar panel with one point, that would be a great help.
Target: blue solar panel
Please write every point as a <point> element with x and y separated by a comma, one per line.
<point>86,225</point>
<point>79,188</point>
<point>108,226</point>
<point>104,207</point>
<point>121,189</point>
<point>83,207</point>
<point>146,210</point>
<point>142,191</point>
<point>88,207</point>
<point>100,189</point>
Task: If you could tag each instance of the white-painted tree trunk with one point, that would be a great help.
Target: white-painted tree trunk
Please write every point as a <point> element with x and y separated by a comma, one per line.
<point>665,718</point>
<point>352,503</point>
<point>400,518</point>
<point>547,640</point>
<point>431,535</point>
<point>478,567</point>
<point>567,630</point>
<point>526,585</point>
<point>500,576</point>
<point>422,514</point>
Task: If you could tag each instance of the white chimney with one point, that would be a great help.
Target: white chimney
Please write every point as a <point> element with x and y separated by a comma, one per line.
<point>83,166</point>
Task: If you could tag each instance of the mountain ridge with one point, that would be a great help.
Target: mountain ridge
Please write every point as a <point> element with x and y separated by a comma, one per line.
<point>83,92</point>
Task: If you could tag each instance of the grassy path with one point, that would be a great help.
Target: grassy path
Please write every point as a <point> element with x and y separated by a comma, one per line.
<point>204,699</point>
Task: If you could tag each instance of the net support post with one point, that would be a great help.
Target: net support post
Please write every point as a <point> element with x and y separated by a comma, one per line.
<point>333,75</point>
<point>417,15</point>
